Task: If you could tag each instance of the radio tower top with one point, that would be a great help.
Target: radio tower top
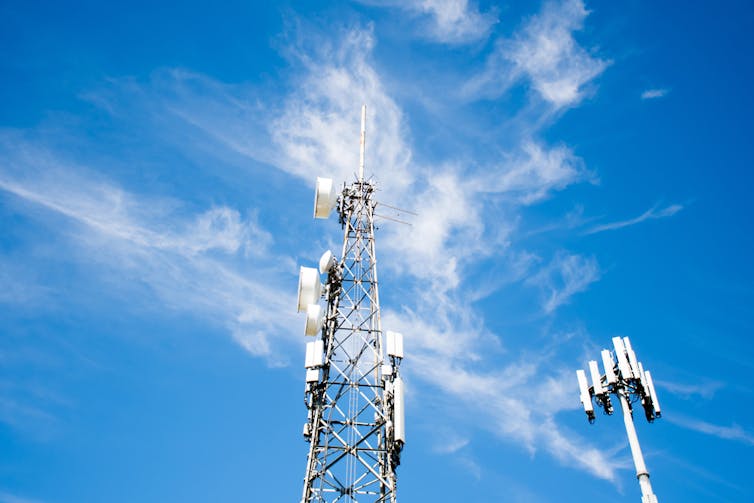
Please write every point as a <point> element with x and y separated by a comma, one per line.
<point>362,143</point>
<point>354,393</point>
<point>630,383</point>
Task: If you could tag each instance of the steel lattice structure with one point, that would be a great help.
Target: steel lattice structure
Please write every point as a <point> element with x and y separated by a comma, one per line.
<point>354,393</point>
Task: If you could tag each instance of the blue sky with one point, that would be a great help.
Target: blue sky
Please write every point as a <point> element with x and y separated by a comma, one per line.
<point>579,171</point>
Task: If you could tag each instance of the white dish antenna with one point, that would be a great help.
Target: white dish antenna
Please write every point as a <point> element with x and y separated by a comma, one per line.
<point>325,197</point>
<point>314,319</point>
<point>309,287</point>
<point>327,262</point>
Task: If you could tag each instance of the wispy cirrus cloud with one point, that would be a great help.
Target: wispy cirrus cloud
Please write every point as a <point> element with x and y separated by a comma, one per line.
<point>468,211</point>
<point>704,390</point>
<point>733,432</point>
<point>190,263</point>
<point>651,214</point>
<point>452,229</point>
<point>6,497</point>
<point>651,94</point>
<point>448,21</point>
<point>545,54</point>
<point>565,276</point>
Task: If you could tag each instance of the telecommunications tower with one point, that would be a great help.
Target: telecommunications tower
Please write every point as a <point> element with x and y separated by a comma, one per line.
<point>354,394</point>
<point>628,380</point>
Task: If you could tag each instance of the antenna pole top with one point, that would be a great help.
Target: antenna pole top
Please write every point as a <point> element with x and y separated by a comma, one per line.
<point>362,142</point>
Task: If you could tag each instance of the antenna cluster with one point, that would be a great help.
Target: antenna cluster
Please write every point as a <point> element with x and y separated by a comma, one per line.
<point>354,393</point>
<point>625,378</point>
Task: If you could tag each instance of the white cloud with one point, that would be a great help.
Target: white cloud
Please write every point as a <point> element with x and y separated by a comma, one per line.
<point>650,94</point>
<point>651,213</point>
<point>450,21</point>
<point>181,260</point>
<point>317,130</point>
<point>704,390</point>
<point>566,275</point>
<point>545,53</point>
<point>534,173</point>
<point>733,432</point>
<point>313,130</point>
<point>6,497</point>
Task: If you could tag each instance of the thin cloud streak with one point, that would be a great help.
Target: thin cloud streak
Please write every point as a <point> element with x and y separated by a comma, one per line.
<point>314,126</point>
<point>565,276</point>
<point>704,390</point>
<point>451,22</point>
<point>6,497</point>
<point>733,432</point>
<point>650,214</point>
<point>188,270</point>
<point>651,94</point>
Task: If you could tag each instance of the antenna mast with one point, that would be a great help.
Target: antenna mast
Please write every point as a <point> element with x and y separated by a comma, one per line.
<point>362,144</point>
<point>354,392</point>
<point>630,383</point>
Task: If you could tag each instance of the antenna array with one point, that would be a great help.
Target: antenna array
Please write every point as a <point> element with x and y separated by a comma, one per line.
<point>625,378</point>
<point>354,393</point>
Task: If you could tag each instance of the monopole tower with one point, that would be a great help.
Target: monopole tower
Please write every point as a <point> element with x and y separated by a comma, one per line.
<point>631,384</point>
<point>354,393</point>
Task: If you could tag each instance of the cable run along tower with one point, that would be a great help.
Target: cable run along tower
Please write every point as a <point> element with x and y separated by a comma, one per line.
<point>355,424</point>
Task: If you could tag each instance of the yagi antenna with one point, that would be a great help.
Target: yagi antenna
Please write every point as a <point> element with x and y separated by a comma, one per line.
<point>362,144</point>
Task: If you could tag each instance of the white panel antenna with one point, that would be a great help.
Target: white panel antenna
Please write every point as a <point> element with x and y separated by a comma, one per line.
<point>399,411</point>
<point>314,354</point>
<point>652,393</point>
<point>609,364</point>
<point>309,287</point>
<point>620,354</point>
<point>643,379</point>
<point>394,344</point>
<point>586,398</point>
<point>312,375</point>
<point>631,357</point>
<point>596,378</point>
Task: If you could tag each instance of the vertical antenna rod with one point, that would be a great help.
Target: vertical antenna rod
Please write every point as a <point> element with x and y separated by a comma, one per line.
<point>362,145</point>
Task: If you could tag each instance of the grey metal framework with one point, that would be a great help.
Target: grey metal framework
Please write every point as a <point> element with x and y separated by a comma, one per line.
<point>353,452</point>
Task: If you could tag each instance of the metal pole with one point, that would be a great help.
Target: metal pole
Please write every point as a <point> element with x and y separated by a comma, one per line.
<point>647,496</point>
<point>363,141</point>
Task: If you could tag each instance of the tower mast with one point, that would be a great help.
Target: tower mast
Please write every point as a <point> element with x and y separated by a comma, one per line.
<point>627,380</point>
<point>354,393</point>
